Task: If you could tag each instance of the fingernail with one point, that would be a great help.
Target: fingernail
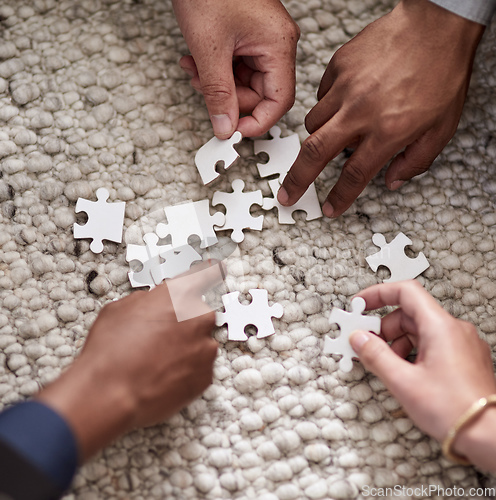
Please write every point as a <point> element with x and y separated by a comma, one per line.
<point>328,209</point>
<point>282,196</point>
<point>222,125</point>
<point>396,184</point>
<point>358,338</point>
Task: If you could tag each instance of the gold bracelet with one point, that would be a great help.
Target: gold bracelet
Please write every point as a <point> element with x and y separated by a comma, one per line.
<point>469,416</point>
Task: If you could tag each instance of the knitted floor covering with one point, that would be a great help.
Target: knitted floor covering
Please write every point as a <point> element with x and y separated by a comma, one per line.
<point>91,95</point>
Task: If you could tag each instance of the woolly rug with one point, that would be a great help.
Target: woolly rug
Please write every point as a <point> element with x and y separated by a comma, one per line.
<point>91,95</point>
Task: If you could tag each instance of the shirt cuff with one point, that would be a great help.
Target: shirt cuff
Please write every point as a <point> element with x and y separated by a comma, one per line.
<point>43,438</point>
<point>479,11</point>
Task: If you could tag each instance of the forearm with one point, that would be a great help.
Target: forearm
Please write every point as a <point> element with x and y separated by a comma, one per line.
<point>479,11</point>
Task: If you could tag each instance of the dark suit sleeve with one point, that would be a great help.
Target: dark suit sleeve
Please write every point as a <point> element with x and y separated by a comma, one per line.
<point>20,480</point>
<point>38,453</point>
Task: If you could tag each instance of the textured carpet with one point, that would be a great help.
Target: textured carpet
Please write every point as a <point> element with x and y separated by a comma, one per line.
<point>91,95</point>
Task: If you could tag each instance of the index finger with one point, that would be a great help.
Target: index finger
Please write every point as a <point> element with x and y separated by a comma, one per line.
<point>413,299</point>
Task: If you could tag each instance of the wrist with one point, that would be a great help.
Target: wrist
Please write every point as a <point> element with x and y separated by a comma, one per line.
<point>96,407</point>
<point>442,24</point>
<point>477,440</point>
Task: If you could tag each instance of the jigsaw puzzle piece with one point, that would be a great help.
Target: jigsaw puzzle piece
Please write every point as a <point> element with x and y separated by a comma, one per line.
<point>213,152</point>
<point>392,255</point>
<point>282,153</point>
<point>149,256</point>
<point>177,261</point>
<point>308,203</point>
<point>238,206</point>
<point>258,313</point>
<point>105,220</point>
<point>190,219</point>
<point>349,322</point>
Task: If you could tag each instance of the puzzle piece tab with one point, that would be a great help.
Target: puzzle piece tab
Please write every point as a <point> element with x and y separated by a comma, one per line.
<point>258,313</point>
<point>105,220</point>
<point>392,255</point>
<point>238,206</point>
<point>308,203</point>
<point>213,152</point>
<point>149,256</point>
<point>282,153</point>
<point>188,219</point>
<point>349,322</point>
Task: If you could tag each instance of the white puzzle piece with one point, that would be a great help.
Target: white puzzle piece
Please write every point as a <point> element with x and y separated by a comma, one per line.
<point>308,203</point>
<point>149,256</point>
<point>188,219</point>
<point>213,152</point>
<point>105,220</point>
<point>258,313</point>
<point>349,322</point>
<point>392,255</point>
<point>282,153</point>
<point>238,206</point>
<point>177,261</point>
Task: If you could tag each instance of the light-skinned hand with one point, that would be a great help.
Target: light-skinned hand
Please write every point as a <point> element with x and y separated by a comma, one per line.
<point>242,61</point>
<point>452,369</point>
<point>397,88</point>
<point>139,364</point>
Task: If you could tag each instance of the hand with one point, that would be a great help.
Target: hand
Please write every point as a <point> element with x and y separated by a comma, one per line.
<point>242,61</point>
<point>399,84</point>
<point>453,366</point>
<point>139,364</point>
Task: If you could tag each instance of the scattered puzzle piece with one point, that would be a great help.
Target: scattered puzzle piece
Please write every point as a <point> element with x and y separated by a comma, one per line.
<point>392,255</point>
<point>213,152</point>
<point>177,261</point>
<point>258,313</point>
<point>282,153</point>
<point>309,203</point>
<point>238,206</point>
<point>149,256</point>
<point>188,219</point>
<point>105,220</point>
<point>349,322</point>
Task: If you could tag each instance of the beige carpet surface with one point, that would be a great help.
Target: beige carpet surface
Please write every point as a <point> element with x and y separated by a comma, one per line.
<point>91,95</point>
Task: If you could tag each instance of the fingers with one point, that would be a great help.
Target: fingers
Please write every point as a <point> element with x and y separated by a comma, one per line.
<point>278,84</point>
<point>402,347</point>
<point>216,80</point>
<point>329,77</point>
<point>378,358</point>
<point>396,324</point>
<point>415,160</point>
<point>250,89</point>
<point>357,172</point>
<point>188,65</point>
<point>415,302</point>
<point>316,151</point>
<point>322,112</point>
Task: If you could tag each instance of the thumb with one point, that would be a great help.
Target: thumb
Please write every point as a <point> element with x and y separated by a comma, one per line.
<point>215,72</point>
<point>379,358</point>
